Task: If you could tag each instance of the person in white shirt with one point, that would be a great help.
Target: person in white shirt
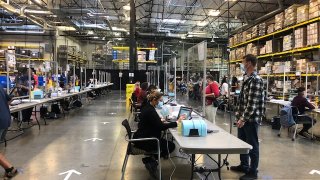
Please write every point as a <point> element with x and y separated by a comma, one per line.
<point>224,88</point>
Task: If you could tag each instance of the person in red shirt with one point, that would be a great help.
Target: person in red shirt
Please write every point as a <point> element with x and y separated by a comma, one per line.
<point>137,88</point>
<point>212,92</point>
<point>36,79</point>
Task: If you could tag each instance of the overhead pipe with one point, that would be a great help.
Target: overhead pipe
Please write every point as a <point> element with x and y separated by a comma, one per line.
<point>23,22</point>
<point>262,18</point>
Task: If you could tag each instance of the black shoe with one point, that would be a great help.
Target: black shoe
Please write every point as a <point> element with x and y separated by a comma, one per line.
<point>249,176</point>
<point>238,169</point>
<point>152,168</point>
<point>146,160</point>
<point>303,133</point>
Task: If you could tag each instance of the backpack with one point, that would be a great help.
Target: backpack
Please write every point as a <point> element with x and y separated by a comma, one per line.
<point>77,103</point>
<point>286,117</point>
<point>55,109</point>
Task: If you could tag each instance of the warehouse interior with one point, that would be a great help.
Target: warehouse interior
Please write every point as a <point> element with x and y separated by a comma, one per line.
<point>80,62</point>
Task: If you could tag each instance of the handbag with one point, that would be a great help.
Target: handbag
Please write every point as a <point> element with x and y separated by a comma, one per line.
<point>215,101</point>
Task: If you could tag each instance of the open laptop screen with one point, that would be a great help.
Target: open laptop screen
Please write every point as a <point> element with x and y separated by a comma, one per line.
<point>185,111</point>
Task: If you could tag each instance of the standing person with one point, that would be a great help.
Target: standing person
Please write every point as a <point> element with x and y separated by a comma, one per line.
<point>36,79</point>
<point>5,122</point>
<point>249,114</point>
<point>234,84</point>
<point>212,92</point>
<point>224,87</point>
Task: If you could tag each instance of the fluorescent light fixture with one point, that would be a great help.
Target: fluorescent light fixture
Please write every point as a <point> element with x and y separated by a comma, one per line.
<point>126,7</point>
<point>127,18</point>
<point>120,39</point>
<point>33,11</point>
<point>119,29</point>
<point>90,32</point>
<point>174,21</point>
<point>117,34</point>
<point>202,23</point>
<point>214,12</point>
<point>66,28</point>
<point>197,33</point>
<point>95,37</point>
<point>38,1</point>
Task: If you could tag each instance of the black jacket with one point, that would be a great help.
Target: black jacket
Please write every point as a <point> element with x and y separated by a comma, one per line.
<point>150,124</point>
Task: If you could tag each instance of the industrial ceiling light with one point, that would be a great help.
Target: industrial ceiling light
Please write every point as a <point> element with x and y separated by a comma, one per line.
<point>174,21</point>
<point>117,34</point>
<point>126,7</point>
<point>214,12</point>
<point>95,37</point>
<point>66,28</point>
<point>90,32</point>
<point>202,23</point>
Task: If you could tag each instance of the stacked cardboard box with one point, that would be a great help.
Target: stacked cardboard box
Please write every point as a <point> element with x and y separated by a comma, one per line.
<point>231,41</point>
<point>302,13</point>
<point>244,36</point>
<point>233,55</point>
<point>269,46</point>
<point>279,18</point>
<point>262,29</point>
<point>290,15</point>
<point>270,28</point>
<point>240,52</point>
<point>287,42</point>
<point>235,39</point>
<point>314,9</point>
<point>249,35</point>
<point>262,50</point>
<point>254,32</point>
<point>313,34</point>
<point>300,37</point>
<point>301,65</point>
<point>252,49</point>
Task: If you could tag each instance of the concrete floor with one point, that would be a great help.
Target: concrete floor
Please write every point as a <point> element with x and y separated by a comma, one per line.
<point>61,146</point>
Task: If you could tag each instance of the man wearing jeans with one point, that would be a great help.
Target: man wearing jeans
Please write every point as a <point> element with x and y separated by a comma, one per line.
<point>250,110</point>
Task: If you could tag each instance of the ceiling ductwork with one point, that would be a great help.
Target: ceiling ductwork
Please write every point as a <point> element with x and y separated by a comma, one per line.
<point>263,18</point>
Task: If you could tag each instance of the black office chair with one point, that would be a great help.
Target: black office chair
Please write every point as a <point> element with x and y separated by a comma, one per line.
<point>134,109</point>
<point>132,150</point>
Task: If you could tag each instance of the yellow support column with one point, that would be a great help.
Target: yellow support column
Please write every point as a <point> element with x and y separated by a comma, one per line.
<point>129,91</point>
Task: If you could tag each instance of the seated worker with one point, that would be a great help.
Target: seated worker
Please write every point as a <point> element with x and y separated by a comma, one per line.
<point>23,90</point>
<point>143,93</point>
<point>151,125</point>
<point>301,103</point>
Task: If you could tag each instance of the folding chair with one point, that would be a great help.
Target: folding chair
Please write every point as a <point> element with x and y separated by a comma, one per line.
<point>132,150</point>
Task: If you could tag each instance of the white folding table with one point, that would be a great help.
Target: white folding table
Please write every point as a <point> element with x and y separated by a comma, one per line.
<point>219,143</point>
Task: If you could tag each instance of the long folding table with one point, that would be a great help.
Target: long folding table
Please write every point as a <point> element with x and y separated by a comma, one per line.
<point>220,142</point>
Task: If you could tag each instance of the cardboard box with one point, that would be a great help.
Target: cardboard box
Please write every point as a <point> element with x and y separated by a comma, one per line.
<point>300,37</point>
<point>279,19</point>
<point>270,28</point>
<point>254,32</point>
<point>290,15</point>
<point>302,13</point>
<point>287,42</point>
<point>262,29</point>
<point>268,46</point>
<point>314,9</point>
<point>313,34</point>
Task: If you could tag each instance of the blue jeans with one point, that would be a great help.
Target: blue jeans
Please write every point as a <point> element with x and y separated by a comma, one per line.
<point>249,134</point>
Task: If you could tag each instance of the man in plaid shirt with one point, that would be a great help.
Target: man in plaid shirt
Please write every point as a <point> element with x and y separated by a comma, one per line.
<point>250,110</point>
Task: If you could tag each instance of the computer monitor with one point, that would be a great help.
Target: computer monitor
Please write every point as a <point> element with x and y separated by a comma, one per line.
<point>237,91</point>
<point>185,111</point>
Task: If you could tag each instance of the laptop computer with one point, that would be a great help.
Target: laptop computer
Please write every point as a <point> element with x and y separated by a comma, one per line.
<point>185,111</point>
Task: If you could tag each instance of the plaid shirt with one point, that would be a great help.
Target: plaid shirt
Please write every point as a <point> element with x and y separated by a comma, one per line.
<point>251,104</point>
